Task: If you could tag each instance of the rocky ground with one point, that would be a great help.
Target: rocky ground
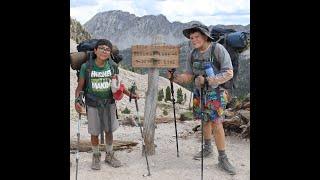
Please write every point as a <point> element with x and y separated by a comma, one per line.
<point>164,164</point>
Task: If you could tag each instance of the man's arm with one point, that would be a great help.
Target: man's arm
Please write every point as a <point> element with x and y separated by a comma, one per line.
<point>79,87</point>
<point>182,78</point>
<point>226,69</point>
<point>220,78</point>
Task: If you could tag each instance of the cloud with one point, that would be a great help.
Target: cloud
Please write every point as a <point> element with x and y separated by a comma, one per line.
<point>79,3</point>
<point>206,11</point>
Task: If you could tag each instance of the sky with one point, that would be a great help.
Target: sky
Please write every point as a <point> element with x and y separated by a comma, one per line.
<point>209,12</point>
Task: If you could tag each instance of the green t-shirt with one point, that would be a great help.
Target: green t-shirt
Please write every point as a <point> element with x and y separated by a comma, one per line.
<point>100,80</point>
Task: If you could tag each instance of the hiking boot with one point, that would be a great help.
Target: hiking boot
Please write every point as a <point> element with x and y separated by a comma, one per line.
<point>226,165</point>
<point>96,161</point>
<point>112,160</point>
<point>207,152</point>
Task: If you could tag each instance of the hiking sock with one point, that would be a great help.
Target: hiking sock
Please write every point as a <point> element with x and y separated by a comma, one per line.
<point>95,149</point>
<point>222,152</point>
<point>108,148</point>
<point>207,143</point>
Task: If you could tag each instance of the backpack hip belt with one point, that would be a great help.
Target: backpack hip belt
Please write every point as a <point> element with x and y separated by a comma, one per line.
<point>92,100</point>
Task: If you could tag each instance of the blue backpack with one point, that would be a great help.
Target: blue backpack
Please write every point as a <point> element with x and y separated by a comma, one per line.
<point>237,40</point>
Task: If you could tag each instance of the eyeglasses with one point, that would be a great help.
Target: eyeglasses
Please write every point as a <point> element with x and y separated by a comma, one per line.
<point>102,49</point>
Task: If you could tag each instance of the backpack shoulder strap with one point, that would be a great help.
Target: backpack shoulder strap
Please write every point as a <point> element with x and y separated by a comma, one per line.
<point>213,57</point>
<point>89,67</point>
<point>191,54</point>
<point>113,66</point>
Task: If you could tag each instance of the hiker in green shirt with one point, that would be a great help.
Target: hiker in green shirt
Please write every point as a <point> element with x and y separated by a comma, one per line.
<point>96,77</point>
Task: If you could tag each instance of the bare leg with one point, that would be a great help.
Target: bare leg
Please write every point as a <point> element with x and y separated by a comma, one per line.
<point>109,141</point>
<point>110,157</point>
<point>94,140</point>
<point>207,130</point>
<point>219,135</point>
<point>96,154</point>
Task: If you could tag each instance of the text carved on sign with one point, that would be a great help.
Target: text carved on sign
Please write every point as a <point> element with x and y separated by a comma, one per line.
<point>155,56</point>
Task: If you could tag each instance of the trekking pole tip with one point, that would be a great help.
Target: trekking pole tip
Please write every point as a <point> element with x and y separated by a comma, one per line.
<point>145,175</point>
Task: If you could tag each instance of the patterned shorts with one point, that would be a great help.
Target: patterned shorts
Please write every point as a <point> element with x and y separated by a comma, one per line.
<point>214,106</point>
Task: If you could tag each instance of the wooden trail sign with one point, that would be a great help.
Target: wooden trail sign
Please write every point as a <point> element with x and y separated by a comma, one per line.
<point>155,56</point>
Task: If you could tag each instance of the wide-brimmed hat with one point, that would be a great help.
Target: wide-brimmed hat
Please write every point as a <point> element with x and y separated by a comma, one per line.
<point>204,29</point>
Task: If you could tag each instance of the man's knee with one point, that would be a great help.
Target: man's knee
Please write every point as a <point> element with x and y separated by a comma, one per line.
<point>217,127</point>
<point>94,136</point>
<point>109,135</point>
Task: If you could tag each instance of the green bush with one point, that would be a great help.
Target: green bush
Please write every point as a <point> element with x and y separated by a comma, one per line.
<point>165,112</point>
<point>126,111</point>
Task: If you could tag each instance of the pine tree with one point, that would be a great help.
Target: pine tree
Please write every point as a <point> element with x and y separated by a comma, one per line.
<point>179,96</point>
<point>160,95</point>
<point>168,94</point>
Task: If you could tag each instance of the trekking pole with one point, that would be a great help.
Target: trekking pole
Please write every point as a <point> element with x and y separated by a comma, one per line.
<point>132,90</point>
<point>78,135</point>
<point>203,94</point>
<point>174,109</point>
<point>102,136</point>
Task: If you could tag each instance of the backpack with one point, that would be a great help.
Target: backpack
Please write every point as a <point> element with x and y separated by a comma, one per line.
<point>237,40</point>
<point>85,53</point>
<point>87,45</point>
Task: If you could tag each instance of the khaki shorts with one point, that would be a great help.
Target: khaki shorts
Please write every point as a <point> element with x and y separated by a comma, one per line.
<point>96,125</point>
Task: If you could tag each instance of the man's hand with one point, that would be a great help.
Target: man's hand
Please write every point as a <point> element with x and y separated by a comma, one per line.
<point>199,81</point>
<point>135,96</point>
<point>79,108</point>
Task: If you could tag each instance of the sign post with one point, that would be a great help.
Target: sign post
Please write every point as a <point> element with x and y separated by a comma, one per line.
<point>153,57</point>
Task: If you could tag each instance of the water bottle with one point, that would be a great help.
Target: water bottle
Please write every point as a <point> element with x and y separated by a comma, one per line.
<point>209,71</point>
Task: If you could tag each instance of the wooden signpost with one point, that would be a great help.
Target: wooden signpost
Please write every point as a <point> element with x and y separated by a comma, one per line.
<point>153,57</point>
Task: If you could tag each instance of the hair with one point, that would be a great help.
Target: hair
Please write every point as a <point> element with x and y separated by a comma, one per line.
<point>99,43</point>
<point>103,42</point>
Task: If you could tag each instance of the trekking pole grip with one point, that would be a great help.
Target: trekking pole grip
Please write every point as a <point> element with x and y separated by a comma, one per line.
<point>172,72</point>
